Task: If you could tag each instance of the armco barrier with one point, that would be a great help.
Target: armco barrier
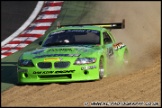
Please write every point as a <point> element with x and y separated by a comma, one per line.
<point>45,18</point>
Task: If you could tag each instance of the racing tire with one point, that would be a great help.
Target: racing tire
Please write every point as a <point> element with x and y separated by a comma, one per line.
<point>101,69</point>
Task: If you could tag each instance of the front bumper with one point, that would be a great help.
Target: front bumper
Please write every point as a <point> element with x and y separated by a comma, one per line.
<point>73,73</point>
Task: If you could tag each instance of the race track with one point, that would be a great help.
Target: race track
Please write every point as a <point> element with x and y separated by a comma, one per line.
<point>11,12</point>
<point>140,82</point>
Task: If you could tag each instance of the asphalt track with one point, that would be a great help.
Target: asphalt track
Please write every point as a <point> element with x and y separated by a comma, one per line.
<point>138,83</point>
<point>12,15</point>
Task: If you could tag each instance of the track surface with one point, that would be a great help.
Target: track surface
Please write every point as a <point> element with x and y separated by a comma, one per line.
<point>140,82</point>
<point>12,15</point>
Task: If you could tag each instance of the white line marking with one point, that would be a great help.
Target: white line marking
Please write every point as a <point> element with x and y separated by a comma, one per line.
<point>33,32</point>
<point>53,1</point>
<point>20,39</point>
<point>25,38</point>
<point>46,16</point>
<point>10,45</point>
<point>13,50</point>
<point>41,24</point>
<point>2,51</point>
<point>29,20</point>
<point>2,56</point>
<point>22,45</point>
<point>55,8</point>
<point>32,39</point>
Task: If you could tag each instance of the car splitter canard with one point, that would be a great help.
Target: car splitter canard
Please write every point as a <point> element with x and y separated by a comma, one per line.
<point>116,25</point>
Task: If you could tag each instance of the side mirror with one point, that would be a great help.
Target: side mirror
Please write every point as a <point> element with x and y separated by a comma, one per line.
<point>40,43</point>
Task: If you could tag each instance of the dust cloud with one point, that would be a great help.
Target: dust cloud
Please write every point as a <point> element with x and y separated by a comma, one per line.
<point>142,28</point>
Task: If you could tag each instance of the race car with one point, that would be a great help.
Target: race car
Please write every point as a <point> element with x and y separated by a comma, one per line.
<point>81,52</point>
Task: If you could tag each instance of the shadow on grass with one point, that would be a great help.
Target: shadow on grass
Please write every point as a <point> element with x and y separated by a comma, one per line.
<point>9,72</point>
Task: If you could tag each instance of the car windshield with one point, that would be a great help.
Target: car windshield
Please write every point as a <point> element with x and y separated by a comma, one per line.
<point>73,37</point>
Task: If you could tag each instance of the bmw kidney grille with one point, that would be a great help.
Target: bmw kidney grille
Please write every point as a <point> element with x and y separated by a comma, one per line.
<point>44,65</point>
<point>61,64</point>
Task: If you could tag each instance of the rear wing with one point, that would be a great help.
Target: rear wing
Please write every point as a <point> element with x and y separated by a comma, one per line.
<point>117,25</point>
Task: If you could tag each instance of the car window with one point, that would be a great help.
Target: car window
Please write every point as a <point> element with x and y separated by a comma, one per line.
<point>107,38</point>
<point>68,37</point>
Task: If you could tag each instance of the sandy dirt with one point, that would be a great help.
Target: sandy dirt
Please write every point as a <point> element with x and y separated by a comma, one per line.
<point>140,82</point>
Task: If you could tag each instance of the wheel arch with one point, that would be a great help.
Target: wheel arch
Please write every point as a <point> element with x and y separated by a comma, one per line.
<point>104,61</point>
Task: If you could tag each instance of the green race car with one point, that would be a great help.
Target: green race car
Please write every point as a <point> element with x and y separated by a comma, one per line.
<point>80,52</point>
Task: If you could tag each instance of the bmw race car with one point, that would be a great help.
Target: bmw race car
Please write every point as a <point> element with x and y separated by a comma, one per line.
<point>80,52</point>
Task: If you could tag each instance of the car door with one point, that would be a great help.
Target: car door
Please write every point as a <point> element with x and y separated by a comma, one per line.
<point>108,43</point>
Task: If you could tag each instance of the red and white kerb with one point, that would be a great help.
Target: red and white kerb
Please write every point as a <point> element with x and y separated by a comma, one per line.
<point>47,15</point>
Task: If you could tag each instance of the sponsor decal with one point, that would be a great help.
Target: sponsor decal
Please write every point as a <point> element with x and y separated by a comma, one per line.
<point>43,72</point>
<point>82,49</point>
<point>84,31</point>
<point>52,72</point>
<point>38,52</point>
<point>88,67</point>
<point>62,49</point>
<point>52,59</point>
<point>57,32</point>
<point>65,71</point>
<point>57,55</point>
<point>119,45</point>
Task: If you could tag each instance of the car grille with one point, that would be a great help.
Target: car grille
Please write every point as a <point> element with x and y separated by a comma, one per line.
<point>44,65</point>
<point>61,64</point>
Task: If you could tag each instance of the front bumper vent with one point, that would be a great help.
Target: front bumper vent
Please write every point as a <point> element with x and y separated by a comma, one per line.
<point>44,65</point>
<point>61,64</point>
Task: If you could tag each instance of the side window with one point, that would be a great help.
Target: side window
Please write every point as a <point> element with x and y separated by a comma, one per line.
<point>107,38</point>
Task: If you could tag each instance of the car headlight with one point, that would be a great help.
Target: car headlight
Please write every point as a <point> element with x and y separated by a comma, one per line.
<point>27,63</point>
<point>81,61</point>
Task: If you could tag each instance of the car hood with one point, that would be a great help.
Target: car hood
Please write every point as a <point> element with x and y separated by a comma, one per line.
<point>71,51</point>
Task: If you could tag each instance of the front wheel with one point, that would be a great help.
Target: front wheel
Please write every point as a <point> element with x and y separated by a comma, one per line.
<point>101,69</point>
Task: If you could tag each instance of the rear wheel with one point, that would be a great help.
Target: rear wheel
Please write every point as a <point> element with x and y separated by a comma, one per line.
<point>101,69</point>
